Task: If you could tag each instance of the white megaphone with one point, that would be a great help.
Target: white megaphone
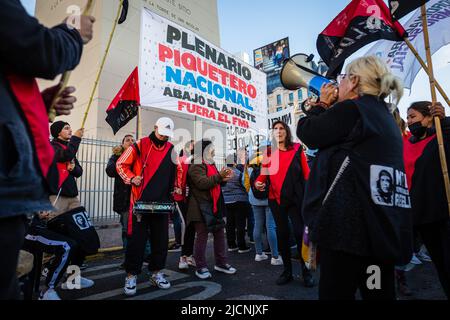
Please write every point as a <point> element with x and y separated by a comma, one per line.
<point>298,73</point>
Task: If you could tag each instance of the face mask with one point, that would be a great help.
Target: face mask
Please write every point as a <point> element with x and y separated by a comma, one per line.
<point>417,130</point>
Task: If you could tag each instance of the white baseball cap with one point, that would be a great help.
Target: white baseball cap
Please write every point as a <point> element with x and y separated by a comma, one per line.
<point>165,127</point>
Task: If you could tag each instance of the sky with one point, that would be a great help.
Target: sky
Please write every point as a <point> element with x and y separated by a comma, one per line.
<point>246,25</point>
<point>261,22</point>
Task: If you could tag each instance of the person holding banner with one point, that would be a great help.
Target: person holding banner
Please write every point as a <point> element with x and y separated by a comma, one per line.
<point>424,173</point>
<point>357,205</point>
<point>29,50</point>
<point>287,171</point>
<point>65,196</point>
<point>149,167</point>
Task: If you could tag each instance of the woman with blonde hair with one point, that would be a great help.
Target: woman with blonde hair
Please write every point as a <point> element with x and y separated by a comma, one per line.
<point>360,234</point>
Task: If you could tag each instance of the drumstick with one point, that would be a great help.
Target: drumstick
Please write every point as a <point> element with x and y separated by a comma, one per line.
<point>57,197</point>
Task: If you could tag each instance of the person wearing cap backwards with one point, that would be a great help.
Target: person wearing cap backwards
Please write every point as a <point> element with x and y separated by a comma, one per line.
<point>149,166</point>
<point>64,192</point>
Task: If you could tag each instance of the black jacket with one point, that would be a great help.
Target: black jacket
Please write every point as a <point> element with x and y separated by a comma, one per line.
<point>427,187</point>
<point>122,191</point>
<point>361,144</point>
<point>31,50</point>
<point>69,187</point>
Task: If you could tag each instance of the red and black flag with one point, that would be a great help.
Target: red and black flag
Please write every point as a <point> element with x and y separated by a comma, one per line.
<point>125,105</point>
<point>360,23</point>
<point>400,8</point>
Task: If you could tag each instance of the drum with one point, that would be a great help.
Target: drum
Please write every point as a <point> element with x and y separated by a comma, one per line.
<point>150,208</point>
<point>77,225</point>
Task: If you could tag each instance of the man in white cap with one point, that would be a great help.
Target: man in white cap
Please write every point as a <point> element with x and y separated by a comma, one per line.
<point>149,169</point>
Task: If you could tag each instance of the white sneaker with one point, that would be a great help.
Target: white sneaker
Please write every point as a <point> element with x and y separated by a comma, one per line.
<point>277,262</point>
<point>183,264</point>
<point>84,284</point>
<point>160,281</point>
<point>203,274</point>
<point>261,257</point>
<point>415,260</point>
<point>49,295</point>
<point>225,269</point>
<point>423,257</point>
<point>191,261</point>
<point>130,286</point>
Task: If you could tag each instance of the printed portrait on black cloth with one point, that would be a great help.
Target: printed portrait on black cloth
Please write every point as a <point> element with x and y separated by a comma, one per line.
<point>382,185</point>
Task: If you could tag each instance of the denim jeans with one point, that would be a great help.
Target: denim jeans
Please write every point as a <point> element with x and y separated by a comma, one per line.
<point>263,216</point>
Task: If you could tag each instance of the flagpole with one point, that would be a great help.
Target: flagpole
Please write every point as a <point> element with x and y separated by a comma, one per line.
<point>434,100</point>
<point>102,64</point>
<point>66,75</point>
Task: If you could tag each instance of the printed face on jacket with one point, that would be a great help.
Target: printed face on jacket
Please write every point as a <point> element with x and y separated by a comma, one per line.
<point>389,187</point>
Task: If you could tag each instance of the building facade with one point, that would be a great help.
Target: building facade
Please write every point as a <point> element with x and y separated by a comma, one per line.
<point>124,57</point>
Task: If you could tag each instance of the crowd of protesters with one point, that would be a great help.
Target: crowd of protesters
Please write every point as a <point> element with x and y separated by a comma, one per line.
<point>372,195</point>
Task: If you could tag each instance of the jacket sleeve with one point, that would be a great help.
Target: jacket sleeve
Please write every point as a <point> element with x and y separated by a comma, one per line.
<point>31,49</point>
<point>68,154</point>
<point>324,128</point>
<point>111,170</point>
<point>197,174</point>
<point>78,170</point>
<point>125,163</point>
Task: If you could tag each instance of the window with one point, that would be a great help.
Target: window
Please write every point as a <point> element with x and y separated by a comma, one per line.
<point>279,100</point>
<point>279,109</point>
<point>291,97</point>
<point>300,95</point>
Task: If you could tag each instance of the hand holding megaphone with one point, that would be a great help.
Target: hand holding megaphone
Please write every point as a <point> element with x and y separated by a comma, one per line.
<point>329,95</point>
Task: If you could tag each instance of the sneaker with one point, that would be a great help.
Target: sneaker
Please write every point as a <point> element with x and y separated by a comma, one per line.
<point>49,295</point>
<point>160,281</point>
<point>183,264</point>
<point>252,241</point>
<point>245,250</point>
<point>233,249</point>
<point>225,269</point>
<point>84,284</point>
<point>175,248</point>
<point>423,257</point>
<point>261,257</point>
<point>284,278</point>
<point>415,260</point>
<point>191,261</point>
<point>84,266</point>
<point>203,274</point>
<point>308,279</point>
<point>277,262</point>
<point>130,286</point>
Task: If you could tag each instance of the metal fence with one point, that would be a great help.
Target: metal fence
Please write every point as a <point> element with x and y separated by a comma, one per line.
<point>96,188</point>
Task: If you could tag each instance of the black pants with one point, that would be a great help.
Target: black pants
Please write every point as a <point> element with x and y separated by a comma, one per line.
<point>12,233</point>
<point>156,228</point>
<point>436,238</point>
<point>237,214</point>
<point>66,251</point>
<point>342,274</point>
<point>281,216</point>
<point>189,236</point>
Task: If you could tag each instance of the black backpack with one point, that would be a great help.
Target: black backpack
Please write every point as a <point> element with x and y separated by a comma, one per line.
<point>260,195</point>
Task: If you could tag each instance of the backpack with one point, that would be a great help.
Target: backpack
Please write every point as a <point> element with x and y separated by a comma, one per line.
<point>260,195</point>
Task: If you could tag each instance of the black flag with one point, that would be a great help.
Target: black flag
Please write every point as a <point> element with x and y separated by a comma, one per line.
<point>400,8</point>
<point>360,23</point>
<point>124,13</point>
<point>125,105</point>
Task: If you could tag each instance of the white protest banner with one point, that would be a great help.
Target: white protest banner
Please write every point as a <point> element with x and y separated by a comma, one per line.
<point>397,55</point>
<point>179,71</point>
<point>287,116</point>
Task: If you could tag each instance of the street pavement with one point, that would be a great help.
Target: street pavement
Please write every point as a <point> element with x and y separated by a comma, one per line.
<point>253,281</point>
